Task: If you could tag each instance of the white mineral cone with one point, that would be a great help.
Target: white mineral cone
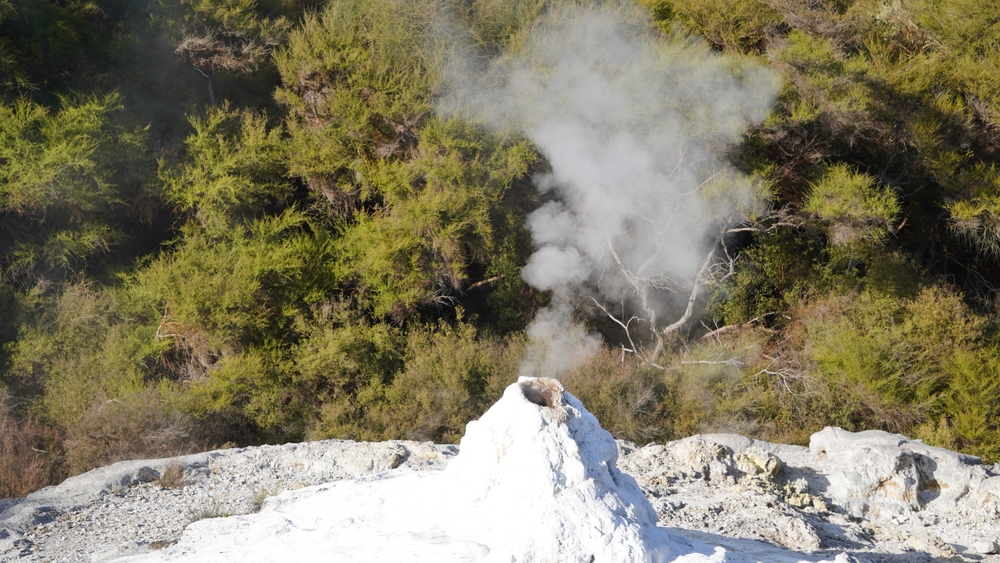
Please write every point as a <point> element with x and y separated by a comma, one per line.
<point>536,480</point>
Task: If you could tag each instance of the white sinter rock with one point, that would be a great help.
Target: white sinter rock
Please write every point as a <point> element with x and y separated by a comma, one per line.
<point>535,481</point>
<point>890,475</point>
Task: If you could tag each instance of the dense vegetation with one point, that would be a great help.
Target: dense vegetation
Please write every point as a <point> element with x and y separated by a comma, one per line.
<point>243,221</point>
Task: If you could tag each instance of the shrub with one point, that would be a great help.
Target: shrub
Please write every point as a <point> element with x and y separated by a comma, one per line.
<point>24,466</point>
<point>706,384</point>
<point>342,364</point>
<point>741,25</point>
<point>770,277</point>
<point>852,206</point>
<point>886,359</point>
<point>451,376</point>
<point>64,177</point>
<point>239,288</point>
<point>172,477</point>
<point>425,385</point>
<point>969,410</point>
<point>235,168</point>
<point>138,426</point>
<point>79,346</point>
<point>629,399</point>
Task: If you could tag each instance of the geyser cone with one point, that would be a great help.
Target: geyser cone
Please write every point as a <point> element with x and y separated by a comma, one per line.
<point>536,480</point>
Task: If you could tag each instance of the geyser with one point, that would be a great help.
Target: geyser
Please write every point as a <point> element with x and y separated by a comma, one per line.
<point>535,481</point>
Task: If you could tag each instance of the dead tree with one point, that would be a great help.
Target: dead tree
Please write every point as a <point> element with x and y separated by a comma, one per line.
<point>718,264</point>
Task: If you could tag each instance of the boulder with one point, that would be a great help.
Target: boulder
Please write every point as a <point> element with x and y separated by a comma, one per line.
<point>881,474</point>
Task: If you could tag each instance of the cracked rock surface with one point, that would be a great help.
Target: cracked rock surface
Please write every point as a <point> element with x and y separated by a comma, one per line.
<point>872,495</point>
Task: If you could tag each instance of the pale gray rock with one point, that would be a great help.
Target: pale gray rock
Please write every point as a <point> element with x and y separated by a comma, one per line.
<point>988,493</point>
<point>535,482</point>
<point>891,475</point>
<point>986,547</point>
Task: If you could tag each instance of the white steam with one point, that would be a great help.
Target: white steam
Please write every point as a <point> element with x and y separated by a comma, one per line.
<point>633,128</point>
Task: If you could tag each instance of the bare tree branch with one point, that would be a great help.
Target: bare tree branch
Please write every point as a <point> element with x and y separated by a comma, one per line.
<point>487,281</point>
<point>625,326</point>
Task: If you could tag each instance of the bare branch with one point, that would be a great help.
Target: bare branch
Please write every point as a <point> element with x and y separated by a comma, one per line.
<point>625,326</point>
<point>722,330</point>
<point>699,281</point>
<point>487,281</point>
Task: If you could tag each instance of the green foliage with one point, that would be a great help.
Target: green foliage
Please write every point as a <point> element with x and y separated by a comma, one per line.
<point>630,400</point>
<point>890,355</point>
<point>65,178</point>
<point>852,205</point>
<point>356,84</point>
<point>439,214</point>
<point>246,287</point>
<point>770,277</point>
<point>976,217</point>
<point>248,386</point>
<point>343,262</point>
<point>970,407</point>
<point>227,35</point>
<point>44,41</point>
<point>451,376</point>
<point>79,349</point>
<point>48,159</point>
<point>375,382</point>
<point>415,200</point>
<point>743,25</point>
<point>496,24</point>
<point>235,167</point>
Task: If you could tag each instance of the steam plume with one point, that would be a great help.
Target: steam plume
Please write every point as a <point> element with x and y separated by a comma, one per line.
<point>633,128</point>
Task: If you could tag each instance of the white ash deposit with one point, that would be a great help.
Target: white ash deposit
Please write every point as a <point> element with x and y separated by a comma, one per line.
<point>536,480</point>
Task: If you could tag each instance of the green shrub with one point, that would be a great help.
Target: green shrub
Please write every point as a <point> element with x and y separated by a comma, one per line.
<point>376,383</point>
<point>770,276</point>
<point>442,211</point>
<point>705,382</point>
<point>852,206</point>
<point>238,288</point>
<point>743,25</point>
<point>969,410</point>
<point>235,168</point>
<point>888,357</point>
<point>451,376</point>
<point>356,84</point>
<point>65,179</point>
<point>82,346</point>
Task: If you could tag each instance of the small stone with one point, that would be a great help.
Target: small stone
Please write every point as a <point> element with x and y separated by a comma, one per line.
<point>986,547</point>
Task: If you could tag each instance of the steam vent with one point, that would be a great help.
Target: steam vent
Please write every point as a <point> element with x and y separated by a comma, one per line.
<point>535,481</point>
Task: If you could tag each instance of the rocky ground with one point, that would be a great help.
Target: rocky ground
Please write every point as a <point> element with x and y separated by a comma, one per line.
<point>872,497</point>
<point>136,506</point>
<point>877,497</point>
